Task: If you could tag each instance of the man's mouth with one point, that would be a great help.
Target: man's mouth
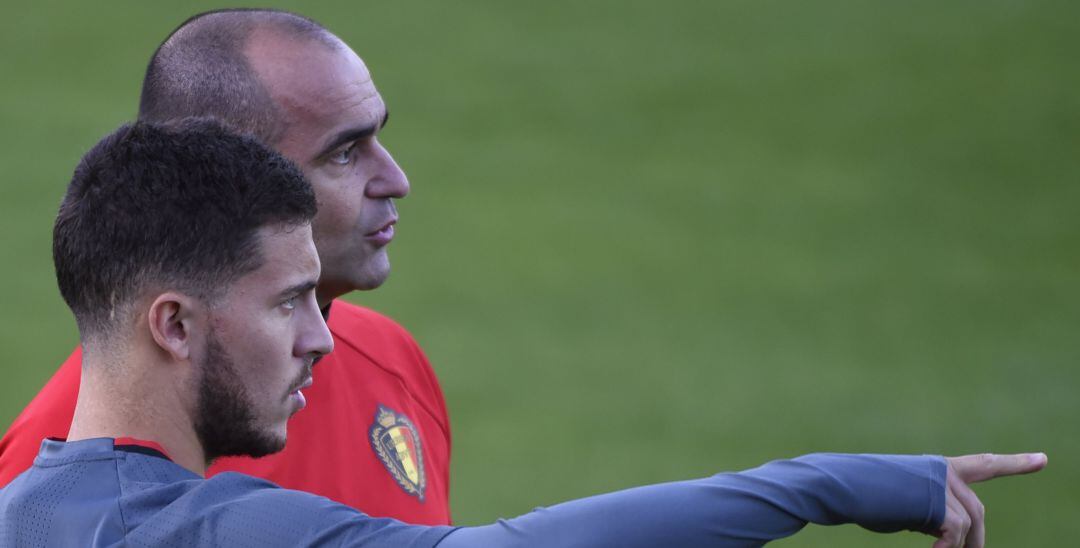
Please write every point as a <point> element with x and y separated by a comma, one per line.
<point>298,396</point>
<point>383,235</point>
<point>305,384</point>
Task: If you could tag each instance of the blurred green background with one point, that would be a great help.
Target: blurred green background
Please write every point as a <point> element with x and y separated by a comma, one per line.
<point>651,241</point>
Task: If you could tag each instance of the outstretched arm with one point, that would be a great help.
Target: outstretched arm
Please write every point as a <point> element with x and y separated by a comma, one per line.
<point>750,508</point>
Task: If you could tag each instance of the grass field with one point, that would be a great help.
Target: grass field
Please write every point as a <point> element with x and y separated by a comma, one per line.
<point>654,241</point>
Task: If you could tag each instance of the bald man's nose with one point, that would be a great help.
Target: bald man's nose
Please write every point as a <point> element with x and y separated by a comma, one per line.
<point>390,181</point>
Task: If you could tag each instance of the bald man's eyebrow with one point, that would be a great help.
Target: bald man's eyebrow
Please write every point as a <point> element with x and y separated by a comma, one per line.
<point>353,134</point>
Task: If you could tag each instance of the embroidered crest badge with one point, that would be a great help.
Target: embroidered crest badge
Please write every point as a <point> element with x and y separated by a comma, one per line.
<point>397,444</point>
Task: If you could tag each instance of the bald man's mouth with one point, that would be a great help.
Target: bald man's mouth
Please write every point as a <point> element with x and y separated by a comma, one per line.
<point>383,235</point>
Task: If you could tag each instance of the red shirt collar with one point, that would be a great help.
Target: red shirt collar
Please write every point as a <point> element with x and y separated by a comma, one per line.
<point>130,443</point>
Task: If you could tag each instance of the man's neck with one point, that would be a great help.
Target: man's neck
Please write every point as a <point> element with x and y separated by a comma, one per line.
<point>111,410</point>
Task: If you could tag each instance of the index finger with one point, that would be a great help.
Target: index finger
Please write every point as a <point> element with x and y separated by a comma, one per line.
<point>975,468</point>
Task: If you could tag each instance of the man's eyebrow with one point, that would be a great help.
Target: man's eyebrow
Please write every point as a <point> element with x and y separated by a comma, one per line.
<point>297,289</point>
<point>353,134</point>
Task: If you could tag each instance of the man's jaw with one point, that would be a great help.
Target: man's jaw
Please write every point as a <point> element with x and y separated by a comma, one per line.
<point>360,268</point>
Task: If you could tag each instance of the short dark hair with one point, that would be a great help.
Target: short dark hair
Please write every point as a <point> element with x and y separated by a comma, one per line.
<point>201,70</point>
<point>168,206</point>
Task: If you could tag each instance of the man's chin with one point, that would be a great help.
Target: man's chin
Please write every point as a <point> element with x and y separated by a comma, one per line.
<point>265,447</point>
<point>362,276</point>
<point>368,284</point>
<point>372,274</point>
<point>248,445</point>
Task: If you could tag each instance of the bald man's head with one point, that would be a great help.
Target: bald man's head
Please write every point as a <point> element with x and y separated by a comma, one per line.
<point>295,86</point>
<point>202,69</point>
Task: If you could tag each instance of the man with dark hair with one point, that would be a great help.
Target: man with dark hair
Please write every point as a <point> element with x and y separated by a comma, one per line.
<point>171,222</point>
<point>377,435</point>
<point>186,256</point>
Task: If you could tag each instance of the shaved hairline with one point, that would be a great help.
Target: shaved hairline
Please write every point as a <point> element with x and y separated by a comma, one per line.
<point>202,69</point>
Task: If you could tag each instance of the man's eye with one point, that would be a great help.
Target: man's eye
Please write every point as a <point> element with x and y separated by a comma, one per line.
<point>342,157</point>
<point>289,303</point>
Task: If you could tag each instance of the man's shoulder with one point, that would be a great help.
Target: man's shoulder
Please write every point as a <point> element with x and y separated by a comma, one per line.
<point>243,510</point>
<point>358,323</point>
<point>361,331</point>
<point>173,510</point>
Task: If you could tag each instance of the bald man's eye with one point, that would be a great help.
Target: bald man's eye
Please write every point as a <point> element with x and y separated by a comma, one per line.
<point>343,156</point>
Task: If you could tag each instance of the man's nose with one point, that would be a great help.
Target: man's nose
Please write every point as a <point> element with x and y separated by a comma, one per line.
<point>390,181</point>
<point>315,340</point>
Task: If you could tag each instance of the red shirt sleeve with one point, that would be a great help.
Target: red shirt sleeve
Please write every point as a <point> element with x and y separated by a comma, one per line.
<point>47,416</point>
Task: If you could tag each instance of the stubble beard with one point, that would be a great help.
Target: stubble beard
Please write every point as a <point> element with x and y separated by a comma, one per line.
<point>225,422</point>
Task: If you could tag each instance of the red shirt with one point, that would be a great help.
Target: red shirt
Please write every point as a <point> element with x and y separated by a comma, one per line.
<point>374,435</point>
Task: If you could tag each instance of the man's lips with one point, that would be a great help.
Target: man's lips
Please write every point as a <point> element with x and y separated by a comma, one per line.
<point>303,385</point>
<point>298,396</point>
<point>383,235</point>
<point>306,384</point>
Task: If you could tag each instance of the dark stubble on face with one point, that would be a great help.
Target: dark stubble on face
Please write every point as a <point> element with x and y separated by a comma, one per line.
<point>224,420</point>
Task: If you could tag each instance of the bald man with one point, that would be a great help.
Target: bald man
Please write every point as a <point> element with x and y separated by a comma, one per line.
<point>376,435</point>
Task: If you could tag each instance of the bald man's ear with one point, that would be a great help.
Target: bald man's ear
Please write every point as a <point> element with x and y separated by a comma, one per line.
<point>173,318</point>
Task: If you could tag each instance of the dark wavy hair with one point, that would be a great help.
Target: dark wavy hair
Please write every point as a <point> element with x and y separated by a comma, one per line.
<point>170,206</point>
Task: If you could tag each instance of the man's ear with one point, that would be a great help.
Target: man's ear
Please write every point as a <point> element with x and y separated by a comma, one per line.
<point>173,318</point>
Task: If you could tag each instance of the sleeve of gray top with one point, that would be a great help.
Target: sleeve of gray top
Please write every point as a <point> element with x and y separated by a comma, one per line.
<point>883,493</point>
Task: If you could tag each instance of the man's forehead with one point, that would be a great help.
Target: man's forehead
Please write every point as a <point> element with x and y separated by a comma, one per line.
<point>288,254</point>
<point>320,89</point>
